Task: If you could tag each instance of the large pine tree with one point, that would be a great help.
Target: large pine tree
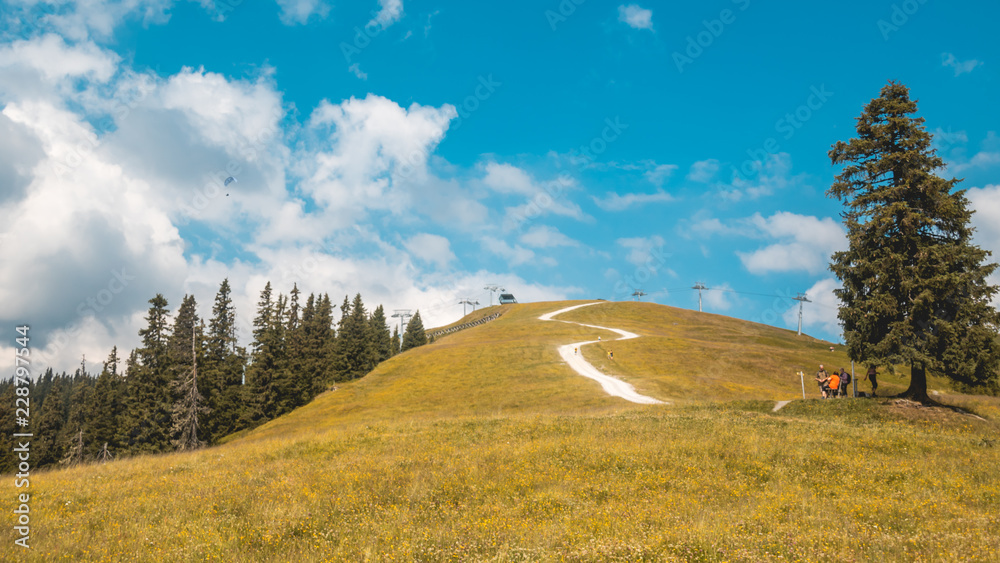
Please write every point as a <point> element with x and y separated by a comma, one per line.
<point>266,358</point>
<point>225,362</point>
<point>149,397</point>
<point>414,335</point>
<point>355,353</point>
<point>189,407</point>
<point>318,343</point>
<point>292,367</point>
<point>47,426</point>
<point>105,407</point>
<point>78,420</point>
<point>914,286</point>
<point>380,337</point>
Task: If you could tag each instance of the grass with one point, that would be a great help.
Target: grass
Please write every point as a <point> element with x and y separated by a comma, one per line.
<point>440,455</point>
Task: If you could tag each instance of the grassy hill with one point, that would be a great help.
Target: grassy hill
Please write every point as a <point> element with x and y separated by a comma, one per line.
<point>483,446</point>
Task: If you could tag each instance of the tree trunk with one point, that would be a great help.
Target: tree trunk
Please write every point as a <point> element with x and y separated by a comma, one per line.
<point>918,385</point>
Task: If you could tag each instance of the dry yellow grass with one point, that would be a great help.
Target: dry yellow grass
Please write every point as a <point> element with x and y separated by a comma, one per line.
<point>483,447</point>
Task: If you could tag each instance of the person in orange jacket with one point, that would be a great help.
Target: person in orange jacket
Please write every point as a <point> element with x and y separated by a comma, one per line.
<point>834,383</point>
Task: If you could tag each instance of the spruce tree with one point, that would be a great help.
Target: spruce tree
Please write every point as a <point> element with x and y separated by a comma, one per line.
<point>78,418</point>
<point>264,360</point>
<point>8,423</point>
<point>48,446</point>
<point>149,398</point>
<point>318,337</point>
<point>396,342</point>
<point>914,285</point>
<point>339,362</point>
<point>225,362</point>
<point>292,366</point>
<point>105,406</point>
<point>188,403</point>
<point>414,335</point>
<point>381,340</point>
<point>355,353</point>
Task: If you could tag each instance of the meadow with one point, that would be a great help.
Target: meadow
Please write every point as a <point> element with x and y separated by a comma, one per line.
<point>483,447</point>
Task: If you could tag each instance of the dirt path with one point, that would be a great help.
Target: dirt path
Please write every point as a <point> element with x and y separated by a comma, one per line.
<point>611,385</point>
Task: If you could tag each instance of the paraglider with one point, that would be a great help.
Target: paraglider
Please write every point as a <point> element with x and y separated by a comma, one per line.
<point>228,181</point>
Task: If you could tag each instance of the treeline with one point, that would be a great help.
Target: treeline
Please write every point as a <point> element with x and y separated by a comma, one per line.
<point>191,384</point>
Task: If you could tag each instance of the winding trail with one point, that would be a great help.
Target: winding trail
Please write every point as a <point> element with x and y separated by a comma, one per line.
<point>611,385</point>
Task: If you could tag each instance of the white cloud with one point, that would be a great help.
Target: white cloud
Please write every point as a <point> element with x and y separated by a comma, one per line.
<point>659,173</point>
<point>372,154</point>
<point>944,139</point>
<point>514,255</point>
<point>541,197</point>
<point>391,12</point>
<point>718,298</point>
<point>643,251</point>
<point>960,67</point>
<point>543,236</point>
<point>228,113</point>
<point>84,232</point>
<point>773,175</point>
<point>616,202</point>
<point>635,16</point>
<point>82,20</point>
<point>51,57</point>
<point>713,226</point>
<point>301,11</point>
<point>988,155</point>
<point>986,220</point>
<point>806,243</point>
<point>356,69</point>
<point>508,179</point>
<point>431,248</point>
<point>703,171</point>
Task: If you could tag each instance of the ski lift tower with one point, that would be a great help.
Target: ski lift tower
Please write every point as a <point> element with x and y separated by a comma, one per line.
<point>404,317</point>
<point>638,294</point>
<point>699,286</point>
<point>465,302</point>
<point>801,298</point>
<point>493,288</point>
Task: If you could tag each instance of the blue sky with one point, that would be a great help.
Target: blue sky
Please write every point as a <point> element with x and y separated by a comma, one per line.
<point>418,151</point>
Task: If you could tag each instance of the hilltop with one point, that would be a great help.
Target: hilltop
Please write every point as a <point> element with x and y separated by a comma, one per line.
<point>484,446</point>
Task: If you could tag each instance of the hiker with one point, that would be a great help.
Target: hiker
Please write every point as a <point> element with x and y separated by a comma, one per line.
<point>574,351</point>
<point>834,383</point>
<point>821,379</point>
<point>611,354</point>
<point>845,380</point>
<point>871,377</point>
